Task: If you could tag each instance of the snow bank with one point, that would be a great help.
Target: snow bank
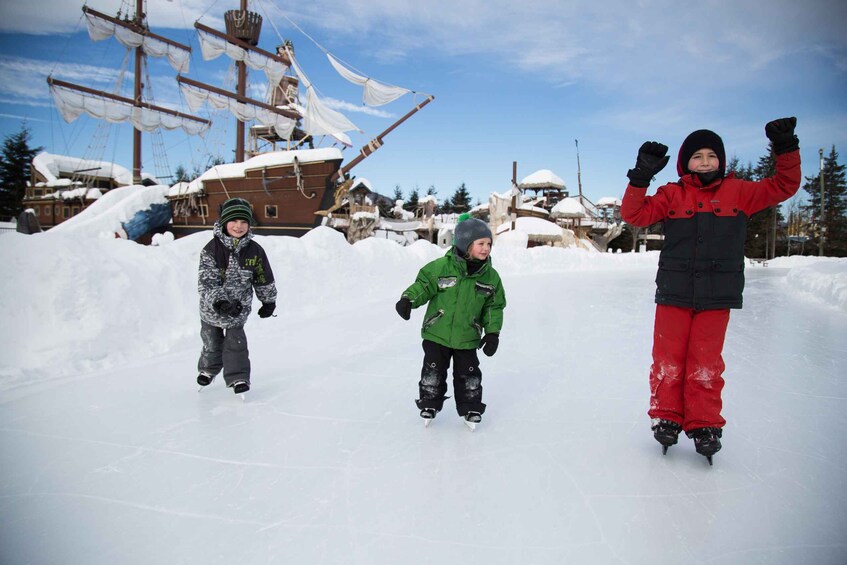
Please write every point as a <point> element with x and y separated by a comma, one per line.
<point>108,300</point>
<point>105,217</point>
<point>822,279</point>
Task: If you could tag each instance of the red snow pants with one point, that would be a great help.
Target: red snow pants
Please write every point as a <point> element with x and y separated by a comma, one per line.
<point>685,378</point>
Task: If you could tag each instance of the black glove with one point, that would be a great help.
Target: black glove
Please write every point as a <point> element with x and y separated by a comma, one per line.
<point>226,308</point>
<point>489,343</point>
<point>781,134</point>
<point>652,158</point>
<point>267,309</point>
<point>223,307</point>
<point>404,308</point>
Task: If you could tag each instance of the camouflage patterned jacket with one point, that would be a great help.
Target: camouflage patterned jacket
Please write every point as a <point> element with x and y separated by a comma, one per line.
<point>231,269</point>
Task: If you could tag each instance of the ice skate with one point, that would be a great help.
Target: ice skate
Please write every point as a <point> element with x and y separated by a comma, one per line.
<point>240,387</point>
<point>706,441</point>
<point>204,380</point>
<point>471,419</point>
<point>666,432</point>
<point>428,414</point>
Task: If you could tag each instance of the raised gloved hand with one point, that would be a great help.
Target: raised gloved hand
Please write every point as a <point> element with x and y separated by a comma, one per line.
<point>781,134</point>
<point>267,309</point>
<point>652,158</point>
<point>404,308</point>
<point>489,343</point>
<point>227,308</point>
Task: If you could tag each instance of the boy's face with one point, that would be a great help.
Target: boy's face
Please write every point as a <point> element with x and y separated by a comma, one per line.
<point>480,249</point>
<point>703,161</point>
<point>237,228</point>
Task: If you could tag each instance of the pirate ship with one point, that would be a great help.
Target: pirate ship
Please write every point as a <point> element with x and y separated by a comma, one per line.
<point>280,162</point>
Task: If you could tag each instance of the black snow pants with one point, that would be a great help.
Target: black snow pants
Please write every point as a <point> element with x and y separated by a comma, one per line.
<point>467,378</point>
<point>227,349</point>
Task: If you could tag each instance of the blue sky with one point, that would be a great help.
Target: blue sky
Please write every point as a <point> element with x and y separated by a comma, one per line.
<point>512,81</point>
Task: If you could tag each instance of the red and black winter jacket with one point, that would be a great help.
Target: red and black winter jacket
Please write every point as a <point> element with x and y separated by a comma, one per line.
<point>701,265</point>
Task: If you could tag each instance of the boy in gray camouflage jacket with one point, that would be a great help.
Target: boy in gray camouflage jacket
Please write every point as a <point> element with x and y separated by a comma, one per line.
<point>232,266</point>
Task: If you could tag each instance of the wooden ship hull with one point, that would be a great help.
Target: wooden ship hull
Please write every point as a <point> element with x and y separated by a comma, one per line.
<point>285,196</point>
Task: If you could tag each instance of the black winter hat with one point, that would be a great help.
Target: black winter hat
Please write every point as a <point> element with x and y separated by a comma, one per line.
<point>469,230</point>
<point>702,138</point>
<point>236,209</point>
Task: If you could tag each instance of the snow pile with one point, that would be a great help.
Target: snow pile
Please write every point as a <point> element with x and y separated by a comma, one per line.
<point>105,217</point>
<point>822,279</point>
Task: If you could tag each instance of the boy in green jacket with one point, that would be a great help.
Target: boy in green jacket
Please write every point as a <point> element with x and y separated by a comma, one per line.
<point>465,312</point>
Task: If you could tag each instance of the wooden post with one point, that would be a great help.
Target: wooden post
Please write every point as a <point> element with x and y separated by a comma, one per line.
<point>514,207</point>
<point>820,242</point>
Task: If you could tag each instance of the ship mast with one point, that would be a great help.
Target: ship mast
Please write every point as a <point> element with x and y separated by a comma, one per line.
<point>138,87</point>
<point>135,26</point>
<point>241,90</point>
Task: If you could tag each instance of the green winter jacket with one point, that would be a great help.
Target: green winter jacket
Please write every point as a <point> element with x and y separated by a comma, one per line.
<point>461,307</point>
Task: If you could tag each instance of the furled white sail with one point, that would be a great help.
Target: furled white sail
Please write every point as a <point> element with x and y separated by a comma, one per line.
<point>71,104</point>
<point>195,97</point>
<point>100,29</point>
<point>373,93</point>
<point>213,47</point>
<point>318,119</point>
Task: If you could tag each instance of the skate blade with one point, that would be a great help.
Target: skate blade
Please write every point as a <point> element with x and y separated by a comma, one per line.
<point>709,459</point>
<point>664,450</point>
<point>427,422</point>
<point>471,425</point>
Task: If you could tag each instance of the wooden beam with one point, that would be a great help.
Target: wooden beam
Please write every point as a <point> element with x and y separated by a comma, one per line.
<point>287,113</point>
<point>134,27</point>
<point>60,83</point>
<point>283,59</point>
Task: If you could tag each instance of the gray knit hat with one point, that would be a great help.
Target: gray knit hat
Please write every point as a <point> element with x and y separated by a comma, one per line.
<point>467,231</point>
<point>236,209</point>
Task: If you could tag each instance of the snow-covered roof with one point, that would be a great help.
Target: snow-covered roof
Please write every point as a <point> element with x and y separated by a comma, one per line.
<point>609,201</point>
<point>568,208</point>
<point>271,159</point>
<point>532,226</point>
<point>362,181</point>
<point>52,167</point>
<point>543,178</point>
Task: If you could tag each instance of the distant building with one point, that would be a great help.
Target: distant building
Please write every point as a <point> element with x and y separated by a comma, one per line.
<point>61,187</point>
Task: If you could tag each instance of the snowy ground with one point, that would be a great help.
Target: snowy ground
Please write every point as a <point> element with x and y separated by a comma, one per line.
<point>110,455</point>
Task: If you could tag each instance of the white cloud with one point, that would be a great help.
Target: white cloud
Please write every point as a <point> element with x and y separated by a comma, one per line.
<point>23,80</point>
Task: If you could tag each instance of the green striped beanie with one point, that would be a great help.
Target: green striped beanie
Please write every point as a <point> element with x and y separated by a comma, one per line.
<point>236,209</point>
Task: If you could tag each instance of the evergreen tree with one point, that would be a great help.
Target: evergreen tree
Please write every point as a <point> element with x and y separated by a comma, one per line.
<point>180,174</point>
<point>762,228</point>
<point>15,163</point>
<point>398,193</point>
<point>413,201</point>
<point>834,219</point>
<point>461,200</point>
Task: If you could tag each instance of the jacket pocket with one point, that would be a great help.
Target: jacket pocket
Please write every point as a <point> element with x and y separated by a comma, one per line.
<point>727,277</point>
<point>447,282</point>
<point>483,289</point>
<point>478,327</point>
<point>673,278</point>
<point>428,322</point>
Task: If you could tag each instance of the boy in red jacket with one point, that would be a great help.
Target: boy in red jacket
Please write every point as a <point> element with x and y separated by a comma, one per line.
<point>701,270</point>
